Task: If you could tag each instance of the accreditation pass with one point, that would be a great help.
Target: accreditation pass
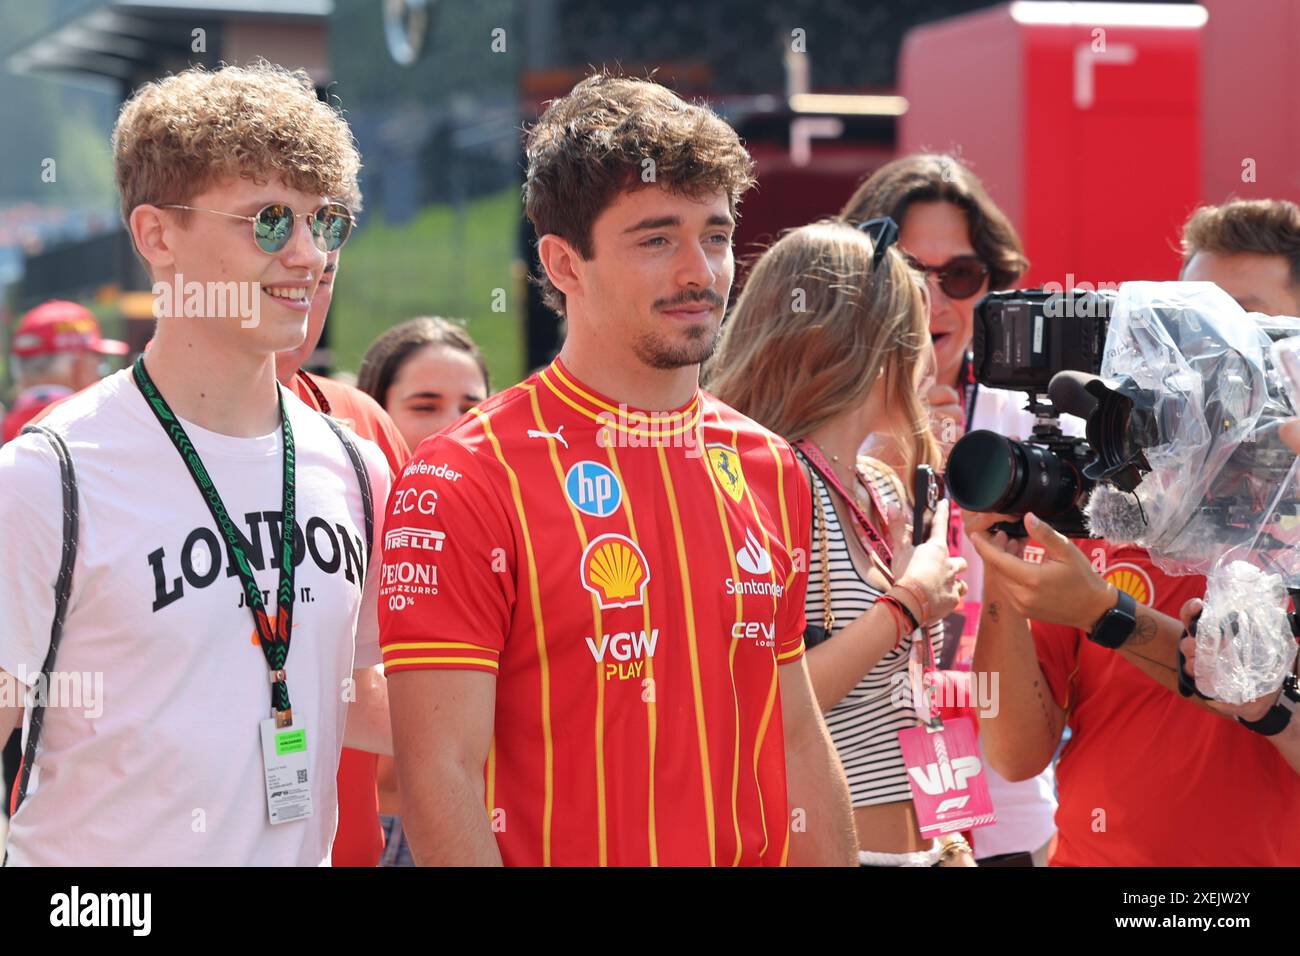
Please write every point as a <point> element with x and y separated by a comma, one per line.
<point>285,760</point>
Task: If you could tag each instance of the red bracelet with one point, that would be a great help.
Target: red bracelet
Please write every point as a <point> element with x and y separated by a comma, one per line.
<point>906,611</point>
<point>896,611</point>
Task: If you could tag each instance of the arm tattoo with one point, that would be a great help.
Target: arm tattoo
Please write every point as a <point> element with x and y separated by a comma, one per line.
<point>1144,632</point>
<point>1048,723</point>
<point>994,613</point>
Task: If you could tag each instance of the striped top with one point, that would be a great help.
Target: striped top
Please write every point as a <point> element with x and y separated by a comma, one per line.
<point>865,724</point>
<point>634,581</point>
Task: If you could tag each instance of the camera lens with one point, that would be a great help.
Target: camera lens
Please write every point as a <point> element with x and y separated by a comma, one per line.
<point>988,472</point>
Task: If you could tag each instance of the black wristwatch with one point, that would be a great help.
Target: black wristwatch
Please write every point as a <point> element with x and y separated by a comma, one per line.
<point>1279,715</point>
<point>1116,624</point>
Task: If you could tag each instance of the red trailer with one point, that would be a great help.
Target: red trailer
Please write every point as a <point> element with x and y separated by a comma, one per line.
<point>1082,119</point>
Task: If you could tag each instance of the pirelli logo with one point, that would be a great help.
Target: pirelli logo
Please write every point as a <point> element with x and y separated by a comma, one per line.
<point>418,539</point>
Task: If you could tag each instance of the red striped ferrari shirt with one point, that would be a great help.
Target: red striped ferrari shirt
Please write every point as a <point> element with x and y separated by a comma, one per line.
<point>634,580</point>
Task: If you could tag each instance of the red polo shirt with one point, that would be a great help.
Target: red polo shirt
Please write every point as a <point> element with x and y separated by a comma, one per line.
<point>1149,778</point>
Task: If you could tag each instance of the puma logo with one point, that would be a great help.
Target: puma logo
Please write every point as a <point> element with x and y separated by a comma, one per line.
<point>538,433</point>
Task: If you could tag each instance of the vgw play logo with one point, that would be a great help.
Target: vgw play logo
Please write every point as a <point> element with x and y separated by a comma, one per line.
<point>628,650</point>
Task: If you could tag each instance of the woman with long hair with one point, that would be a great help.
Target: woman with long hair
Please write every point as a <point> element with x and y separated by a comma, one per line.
<point>827,346</point>
<point>951,230</point>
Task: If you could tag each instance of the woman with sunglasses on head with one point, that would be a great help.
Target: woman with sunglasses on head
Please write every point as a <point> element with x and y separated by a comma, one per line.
<point>951,230</point>
<point>827,345</point>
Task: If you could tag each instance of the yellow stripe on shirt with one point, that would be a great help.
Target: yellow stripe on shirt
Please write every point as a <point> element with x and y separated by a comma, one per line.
<point>652,720</point>
<point>689,606</point>
<point>601,823</point>
<point>407,661</point>
<point>539,629</point>
<point>731,651</point>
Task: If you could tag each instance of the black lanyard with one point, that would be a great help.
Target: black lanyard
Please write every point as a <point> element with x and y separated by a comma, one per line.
<point>275,642</point>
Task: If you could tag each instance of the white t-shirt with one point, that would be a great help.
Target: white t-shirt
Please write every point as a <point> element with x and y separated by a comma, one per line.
<point>159,761</point>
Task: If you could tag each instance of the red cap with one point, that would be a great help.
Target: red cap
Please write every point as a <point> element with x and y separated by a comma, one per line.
<point>58,326</point>
<point>28,405</point>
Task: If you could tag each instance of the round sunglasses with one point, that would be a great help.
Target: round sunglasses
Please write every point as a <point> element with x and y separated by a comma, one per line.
<point>959,278</point>
<point>330,225</point>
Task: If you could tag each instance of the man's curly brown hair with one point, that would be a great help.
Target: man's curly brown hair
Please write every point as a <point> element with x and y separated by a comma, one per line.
<point>594,143</point>
<point>178,135</point>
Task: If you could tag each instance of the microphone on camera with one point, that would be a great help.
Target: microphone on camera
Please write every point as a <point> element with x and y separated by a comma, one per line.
<point>1069,393</point>
<point>1116,516</point>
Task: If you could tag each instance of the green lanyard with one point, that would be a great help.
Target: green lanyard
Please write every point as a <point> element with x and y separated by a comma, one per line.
<point>275,641</point>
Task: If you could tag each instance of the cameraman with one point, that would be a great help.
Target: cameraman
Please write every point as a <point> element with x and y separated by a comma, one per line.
<point>1144,772</point>
<point>1250,248</point>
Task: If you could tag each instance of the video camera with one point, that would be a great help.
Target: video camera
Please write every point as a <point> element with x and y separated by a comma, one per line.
<point>1188,392</point>
<point>1022,339</point>
<point>1183,392</point>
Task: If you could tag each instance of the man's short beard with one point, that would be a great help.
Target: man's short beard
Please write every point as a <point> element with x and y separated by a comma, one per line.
<point>654,351</point>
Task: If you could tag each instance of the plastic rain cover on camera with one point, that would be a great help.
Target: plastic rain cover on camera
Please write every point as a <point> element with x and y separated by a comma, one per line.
<point>1244,642</point>
<point>1218,462</point>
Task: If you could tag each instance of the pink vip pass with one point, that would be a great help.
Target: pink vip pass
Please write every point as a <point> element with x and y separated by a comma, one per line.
<point>946,774</point>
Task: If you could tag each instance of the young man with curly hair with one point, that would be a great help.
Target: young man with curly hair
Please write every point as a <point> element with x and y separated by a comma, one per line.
<point>222,597</point>
<point>592,610</point>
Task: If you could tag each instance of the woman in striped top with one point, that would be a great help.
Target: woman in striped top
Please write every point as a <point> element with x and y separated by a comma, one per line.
<point>828,345</point>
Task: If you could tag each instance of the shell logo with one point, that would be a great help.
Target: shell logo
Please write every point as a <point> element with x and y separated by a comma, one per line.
<point>615,570</point>
<point>1133,581</point>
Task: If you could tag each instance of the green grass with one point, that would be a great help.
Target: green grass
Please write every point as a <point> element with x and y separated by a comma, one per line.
<point>439,263</point>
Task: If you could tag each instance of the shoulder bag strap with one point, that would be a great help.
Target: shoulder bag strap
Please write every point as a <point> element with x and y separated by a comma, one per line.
<point>363,479</point>
<point>62,592</point>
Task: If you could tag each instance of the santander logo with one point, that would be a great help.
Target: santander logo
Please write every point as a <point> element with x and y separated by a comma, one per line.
<point>752,556</point>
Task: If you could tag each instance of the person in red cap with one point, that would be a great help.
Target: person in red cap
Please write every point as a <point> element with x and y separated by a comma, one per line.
<point>57,350</point>
<point>28,405</point>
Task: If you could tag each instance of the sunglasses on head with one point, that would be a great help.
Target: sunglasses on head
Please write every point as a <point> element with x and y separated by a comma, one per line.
<point>959,278</point>
<point>883,233</point>
<point>273,224</point>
